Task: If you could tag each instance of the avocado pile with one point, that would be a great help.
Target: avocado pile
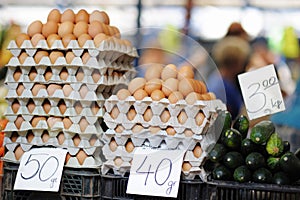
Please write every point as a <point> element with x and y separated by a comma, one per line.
<point>258,155</point>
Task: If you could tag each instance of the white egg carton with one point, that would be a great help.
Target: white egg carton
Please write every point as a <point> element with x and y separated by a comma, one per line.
<point>193,173</point>
<point>121,170</point>
<point>108,49</point>
<point>119,152</point>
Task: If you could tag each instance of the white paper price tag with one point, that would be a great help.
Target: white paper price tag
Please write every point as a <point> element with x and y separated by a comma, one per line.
<point>155,172</point>
<point>40,169</point>
<point>261,92</point>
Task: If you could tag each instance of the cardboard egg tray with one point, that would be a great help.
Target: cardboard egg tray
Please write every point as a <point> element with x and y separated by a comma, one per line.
<point>209,109</point>
<point>108,49</point>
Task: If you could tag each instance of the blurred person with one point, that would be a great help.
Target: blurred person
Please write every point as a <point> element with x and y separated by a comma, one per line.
<point>236,29</point>
<point>231,55</point>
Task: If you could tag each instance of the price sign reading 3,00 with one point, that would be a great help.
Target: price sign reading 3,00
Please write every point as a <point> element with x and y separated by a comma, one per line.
<point>155,172</point>
<point>261,92</point>
<point>40,169</point>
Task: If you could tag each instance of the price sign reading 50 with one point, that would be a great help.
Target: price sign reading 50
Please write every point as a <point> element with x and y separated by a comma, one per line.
<point>40,169</point>
<point>261,92</point>
<point>155,172</point>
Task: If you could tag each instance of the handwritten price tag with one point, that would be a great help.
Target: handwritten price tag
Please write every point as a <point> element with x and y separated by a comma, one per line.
<point>155,172</point>
<point>41,169</point>
<point>261,92</point>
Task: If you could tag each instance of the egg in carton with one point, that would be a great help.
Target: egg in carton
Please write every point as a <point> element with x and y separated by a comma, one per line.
<point>112,150</point>
<point>117,165</point>
<point>189,172</point>
<point>83,160</point>
<point>83,127</point>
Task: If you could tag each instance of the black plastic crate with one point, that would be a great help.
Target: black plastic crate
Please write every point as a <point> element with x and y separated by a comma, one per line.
<point>229,190</point>
<point>76,184</point>
<point>114,187</point>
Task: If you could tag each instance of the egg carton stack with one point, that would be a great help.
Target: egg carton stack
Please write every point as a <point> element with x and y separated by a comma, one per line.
<point>151,113</point>
<point>57,92</point>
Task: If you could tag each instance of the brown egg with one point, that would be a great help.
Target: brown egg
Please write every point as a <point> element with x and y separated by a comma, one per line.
<point>197,151</point>
<point>123,94</point>
<point>153,84</point>
<point>148,114</point>
<point>60,138</point>
<point>188,133</point>
<point>192,97</point>
<point>83,91</point>
<point>62,107</point>
<point>20,89</point>
<point>182,117</point>
<point>95,28</point>
<point>157,95</point>
<point>99,38</point>
<point>18,122</point>
<point>165,116</point>
<point>49,28</point>
<point>20,39</point>
<point>135,84</point>
<point>64,74</point>
<point>15,106</point>
<point>83,38</point>
<point>54,15</point>
<point>169,71</point>
<point>131,114</point>
<point>203,88</point>
<point>110,31</point>
<point>137,128</point>
<point>175,96</point>
<point>65,28</point>
<point>153,71</point>
<point>199,118</point>
<point>67,123</point>
<point>35,120</point>
<point>93,140</point>
<point>76,140</point>
<point>45,137</point>
<point>36,88</point>
<point>39,55</point>
<point>80,28</point>
<point>100,16</point>
<point>68,15</point>
<point>51,121</point>
<point>129,146</point>
<point>212,95</point>
<point>96,75</point>
<point>18,152</point>
<point>46,106</point>
<point>48,74</point>
<point>14,136</point>
<point>114,113</point>
<point>69,57</point>
<point>140,94</point>
<point>67,38</point>
<point>30,106</point>
<point>126,42</point>
<point>81,156</point>
<point>83,123</point>
<point>106,28</point>
<point>85,57</point>
<point>82,15</point>
<point>36,38</point>
<point>186,86</point>
<point>29,136</point>
<point>34,28</point>
<point>170,85</point>
<point>185,72</point>
<point>119,129</point>
<point>186,166</point>
<point>17,74</point>
<point>67,90</point>
<point>32,74</point>
<point>68,156</point>
<point>22,57</point>
<point>116,32</point>
<point>95,108</point>
<point>113,145</point>
<point>118,161</point>
<point>52,38</point>
<point>54,55</point>
<point>154,129</point>
<point>78,107</point>
<point>170,130</point>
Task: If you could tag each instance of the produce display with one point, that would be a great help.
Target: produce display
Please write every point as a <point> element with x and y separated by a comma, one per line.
<point>258,155</point>
<point>59,76</point>
<point>166,109</point>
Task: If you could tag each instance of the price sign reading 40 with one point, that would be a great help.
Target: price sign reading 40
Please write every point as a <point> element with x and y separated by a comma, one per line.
<point>155,172</point>
<point>40,169</point>
<point>261,92</point>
